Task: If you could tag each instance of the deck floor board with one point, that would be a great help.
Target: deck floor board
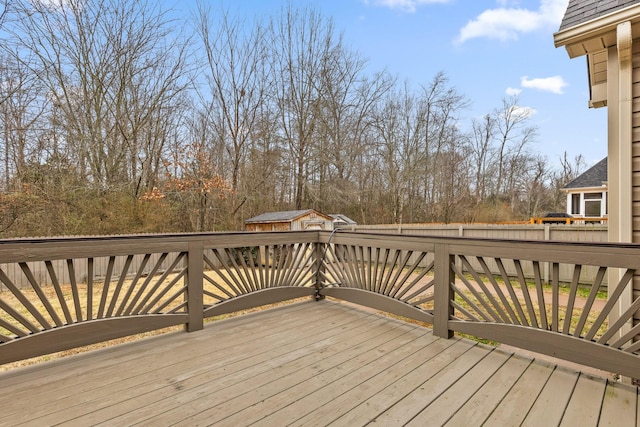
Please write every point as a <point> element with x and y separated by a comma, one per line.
<point>309,364</point>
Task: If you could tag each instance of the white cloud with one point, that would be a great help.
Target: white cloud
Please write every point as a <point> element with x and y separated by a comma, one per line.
<point>409,6</point>
<point>555,84</point>
<point>508,23</point>
<point>512,91</point>
<point>523,112</point>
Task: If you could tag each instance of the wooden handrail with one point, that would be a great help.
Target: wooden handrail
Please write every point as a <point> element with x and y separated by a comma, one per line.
<point>76,291</point>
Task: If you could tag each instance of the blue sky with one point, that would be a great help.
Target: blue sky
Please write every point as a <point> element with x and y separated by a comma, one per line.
<point>488,49</point>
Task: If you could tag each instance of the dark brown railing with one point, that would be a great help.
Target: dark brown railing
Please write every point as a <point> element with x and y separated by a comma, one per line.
<point>64,293</point>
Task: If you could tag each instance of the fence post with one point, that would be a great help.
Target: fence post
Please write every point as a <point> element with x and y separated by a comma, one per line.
<point>195,287</point>
<point>442,308</point>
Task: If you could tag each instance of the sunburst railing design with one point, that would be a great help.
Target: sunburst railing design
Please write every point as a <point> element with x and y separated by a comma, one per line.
<point>399,281</point>
<point>508,300</point>
<point>58,294</point>
<point>515,300</point>
<point>242,277</point>
<point>45,302</point>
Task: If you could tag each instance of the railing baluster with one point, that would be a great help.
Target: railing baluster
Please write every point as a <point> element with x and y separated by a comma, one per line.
<point>33,311</point>
<point>74,290</point>
<point>498,290</point>
<point>105,287</point>
<point>498,314</point>
<point>525,293</point>
<point>133,284</point>
<point>38,290</point>
<point>589,303</point>
<point>119,285</point>
<point>514,298</point>
<point>396,282</point>
<point>542,307</point>
<point>490,315</point>
<point>572,297</point>
<point>20,319</point>
<point>386,285</point>
<point>145,284</point>
<point>89,312</point>
<point>555,297</point>
<point>613,299</point>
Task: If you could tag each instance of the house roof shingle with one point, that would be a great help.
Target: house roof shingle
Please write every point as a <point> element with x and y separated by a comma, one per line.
<point>580,11</point>
<point>278,216</point>
<point>595,176</point>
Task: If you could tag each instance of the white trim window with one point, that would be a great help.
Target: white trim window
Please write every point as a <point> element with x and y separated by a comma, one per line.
<point>587,204</point>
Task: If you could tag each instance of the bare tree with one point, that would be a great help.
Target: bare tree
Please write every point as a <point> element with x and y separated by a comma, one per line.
<point>301,41</point>
<point>21,115</point>
<point>481,139</point>
<point>236,80</point>
<point>111,68</point>
<point>514,134</point>
<point>347,102</point>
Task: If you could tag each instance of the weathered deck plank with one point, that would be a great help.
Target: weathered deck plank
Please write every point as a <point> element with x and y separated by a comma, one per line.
<point>309,363</point>
<point>223,360</point>
<point>588,389</point>
<point>354,412</point>
<point>620,406</point>
<point>477,409</point>
<point>123,373</point>
<point>553,398</point>
<point>517,402</point>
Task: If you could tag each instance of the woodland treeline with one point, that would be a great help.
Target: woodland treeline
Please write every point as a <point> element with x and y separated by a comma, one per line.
<point>117,117</point>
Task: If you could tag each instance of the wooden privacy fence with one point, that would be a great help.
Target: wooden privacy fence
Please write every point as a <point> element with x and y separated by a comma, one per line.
<point>474,286</point>
<point>547,232</point>
<point>590,233</point>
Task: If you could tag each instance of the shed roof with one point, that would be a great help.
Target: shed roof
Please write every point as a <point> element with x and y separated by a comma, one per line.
<point>595,176</point>
<point>282,216</point>
<point>581,11</point>
<point>343,218</point>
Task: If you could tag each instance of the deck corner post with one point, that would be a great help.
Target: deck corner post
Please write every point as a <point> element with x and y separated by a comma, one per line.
<point>443,294</point>
<point>195,287</point>
<point>318,255</point>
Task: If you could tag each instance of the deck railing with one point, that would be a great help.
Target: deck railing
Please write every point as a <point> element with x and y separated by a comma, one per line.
<point>474,286</point>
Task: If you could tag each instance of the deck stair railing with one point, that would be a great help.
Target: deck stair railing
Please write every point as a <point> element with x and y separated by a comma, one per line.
<point>65,293</point>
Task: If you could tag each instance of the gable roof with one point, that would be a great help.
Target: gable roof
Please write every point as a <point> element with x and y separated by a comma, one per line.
<point>595,176</point>
<point>282,216</point>
<point>343,218</point>
<point>581,11</point>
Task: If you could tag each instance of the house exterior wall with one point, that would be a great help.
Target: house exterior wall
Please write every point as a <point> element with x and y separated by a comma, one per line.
<point>624,154</point>
<point>635,160</point>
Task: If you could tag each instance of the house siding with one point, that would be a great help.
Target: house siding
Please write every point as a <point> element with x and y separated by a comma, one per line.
<point>636,160</point>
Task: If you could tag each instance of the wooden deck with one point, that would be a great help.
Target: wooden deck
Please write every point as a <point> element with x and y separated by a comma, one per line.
<point>310,363</point>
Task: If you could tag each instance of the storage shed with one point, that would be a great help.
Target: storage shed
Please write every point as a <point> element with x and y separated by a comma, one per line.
<point>308,219</point>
